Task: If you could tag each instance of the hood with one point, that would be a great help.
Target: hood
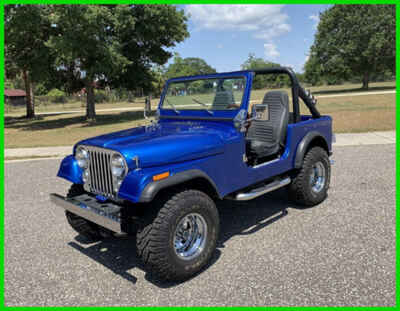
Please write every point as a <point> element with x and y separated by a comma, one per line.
<point>167,142</point>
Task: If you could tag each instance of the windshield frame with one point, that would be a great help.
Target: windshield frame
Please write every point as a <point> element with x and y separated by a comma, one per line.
<point>166,111</point>
<point>198,104</point>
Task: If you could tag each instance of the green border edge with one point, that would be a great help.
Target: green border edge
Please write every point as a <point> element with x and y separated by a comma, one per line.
<point>397,157</point>
<point>2,222</point>
<point>2,192</point>
<point>305,2</point>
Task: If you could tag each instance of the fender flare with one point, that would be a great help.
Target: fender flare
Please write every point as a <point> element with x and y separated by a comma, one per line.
<point>152,188</point>
<point>303,145</point>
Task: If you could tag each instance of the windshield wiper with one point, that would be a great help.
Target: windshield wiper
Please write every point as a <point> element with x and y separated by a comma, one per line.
<point>172,105</point>
<point>204,105</point>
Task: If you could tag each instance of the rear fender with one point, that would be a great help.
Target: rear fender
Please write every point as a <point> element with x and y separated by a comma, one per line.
<point>313,137</point>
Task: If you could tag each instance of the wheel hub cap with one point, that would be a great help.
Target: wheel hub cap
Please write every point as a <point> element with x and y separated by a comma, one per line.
<point>190,236</point>
<point>317,177</point>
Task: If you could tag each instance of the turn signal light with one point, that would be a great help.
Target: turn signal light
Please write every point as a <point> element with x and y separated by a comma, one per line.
<point>160,176</point>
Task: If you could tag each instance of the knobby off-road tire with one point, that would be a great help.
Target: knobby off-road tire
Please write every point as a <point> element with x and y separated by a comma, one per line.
<point>310,184</point>
<point>159,239</point>
<point>84,227</point>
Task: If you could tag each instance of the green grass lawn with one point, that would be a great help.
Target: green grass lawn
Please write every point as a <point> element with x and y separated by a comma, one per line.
<point>334,89</point>
<point>72,106</point>
<point>360,113</point>
<point>350,114</point>
<point>139,102</point>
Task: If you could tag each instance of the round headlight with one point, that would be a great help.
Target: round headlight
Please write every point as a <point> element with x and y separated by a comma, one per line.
<point>117,165</point>
<point>85,176</point>
<point>82,157</point>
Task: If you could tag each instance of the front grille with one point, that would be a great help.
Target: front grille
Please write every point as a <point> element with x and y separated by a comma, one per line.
<point>100,179</point>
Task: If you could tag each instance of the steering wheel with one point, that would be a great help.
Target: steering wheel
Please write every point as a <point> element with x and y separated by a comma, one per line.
<point>233,106</point>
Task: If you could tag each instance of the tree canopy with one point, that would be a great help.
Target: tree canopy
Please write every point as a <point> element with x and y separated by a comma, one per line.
<point>86,45</point>
<point>26,32</point>
<point>353,41</point>
<point>113,44</point>
<point>263,81</point>
<point>188,67</point>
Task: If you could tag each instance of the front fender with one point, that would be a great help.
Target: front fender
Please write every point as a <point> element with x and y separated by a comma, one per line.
<point>152,188</point>
<point>138,185</point>
<point>70,170</point>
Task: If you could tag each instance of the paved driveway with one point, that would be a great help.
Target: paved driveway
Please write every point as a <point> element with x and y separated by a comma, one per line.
<point>341,252</point>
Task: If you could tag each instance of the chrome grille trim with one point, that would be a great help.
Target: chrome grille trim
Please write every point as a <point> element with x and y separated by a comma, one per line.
<point>100,179</point>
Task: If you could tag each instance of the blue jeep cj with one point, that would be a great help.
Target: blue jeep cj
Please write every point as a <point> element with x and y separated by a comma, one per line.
<point>161,181</point>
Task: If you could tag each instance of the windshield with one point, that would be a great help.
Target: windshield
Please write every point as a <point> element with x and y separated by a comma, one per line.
<point>205,94</point>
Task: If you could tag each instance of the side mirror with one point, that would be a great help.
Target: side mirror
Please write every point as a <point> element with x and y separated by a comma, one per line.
<point>240,120</point>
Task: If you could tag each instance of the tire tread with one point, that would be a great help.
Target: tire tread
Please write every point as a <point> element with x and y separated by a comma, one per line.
<point>150,237</point>
<point>299,190</point>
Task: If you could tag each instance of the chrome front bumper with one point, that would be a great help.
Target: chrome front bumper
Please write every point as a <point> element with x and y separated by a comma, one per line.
<point>106,215</point>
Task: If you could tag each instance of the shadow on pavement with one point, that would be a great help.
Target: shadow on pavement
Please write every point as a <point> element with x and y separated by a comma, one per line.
<point>47,123</point>
<point>116,254</point>
<point>237,218</point>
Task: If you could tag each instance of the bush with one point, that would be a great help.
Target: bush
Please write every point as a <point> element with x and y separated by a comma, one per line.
<point>40,89</point>
<point>57,96</point>
<point>101,96</point>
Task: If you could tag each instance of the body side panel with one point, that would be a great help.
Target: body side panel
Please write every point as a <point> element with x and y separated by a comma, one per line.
<point>227,170</point>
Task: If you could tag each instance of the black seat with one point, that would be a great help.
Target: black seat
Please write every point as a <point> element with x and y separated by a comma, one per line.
<point>223,99</point>
<point>266,135</point>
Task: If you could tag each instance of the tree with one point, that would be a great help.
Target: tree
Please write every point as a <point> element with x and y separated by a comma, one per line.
<point>158,72</point>
<point>312,71</point>
<point>113,45</point>
<point>262,81</point>
<point>300,77</point>
<point>189,66</point>
<point>26,31</point>
<point>355,40</point>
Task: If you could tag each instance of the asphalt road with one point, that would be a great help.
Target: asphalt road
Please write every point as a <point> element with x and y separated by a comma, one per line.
<point>341,252</point>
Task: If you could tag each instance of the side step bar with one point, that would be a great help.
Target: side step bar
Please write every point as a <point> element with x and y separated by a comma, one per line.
<point>254,193</point>
<point>106,215</point>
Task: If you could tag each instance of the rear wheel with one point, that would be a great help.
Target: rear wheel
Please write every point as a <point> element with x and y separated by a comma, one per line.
<point>88,229</point>
<point>179,241</point>
<point>310,184</point>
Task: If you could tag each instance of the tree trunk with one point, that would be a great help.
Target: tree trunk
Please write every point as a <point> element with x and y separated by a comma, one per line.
<point>90,104</point>
<point>30,108</point>
<point>365,80</point>
<point>33,96</point>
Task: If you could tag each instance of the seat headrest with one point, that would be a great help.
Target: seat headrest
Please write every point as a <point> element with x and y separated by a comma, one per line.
<point>222,99</point>
<point>273,96</point>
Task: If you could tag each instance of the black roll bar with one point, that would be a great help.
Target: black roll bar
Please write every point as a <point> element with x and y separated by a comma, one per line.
<point>297,91</point>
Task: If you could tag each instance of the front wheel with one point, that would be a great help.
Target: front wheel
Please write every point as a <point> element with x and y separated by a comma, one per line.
<point>310,184</point>
<point>181,239</point>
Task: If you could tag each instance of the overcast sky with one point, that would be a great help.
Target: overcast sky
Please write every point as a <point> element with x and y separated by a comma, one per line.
<point>224,35</point>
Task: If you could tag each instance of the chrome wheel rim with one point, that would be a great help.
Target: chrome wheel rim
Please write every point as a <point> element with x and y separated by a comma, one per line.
<point>190,236</point>
<point>317,177</point>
